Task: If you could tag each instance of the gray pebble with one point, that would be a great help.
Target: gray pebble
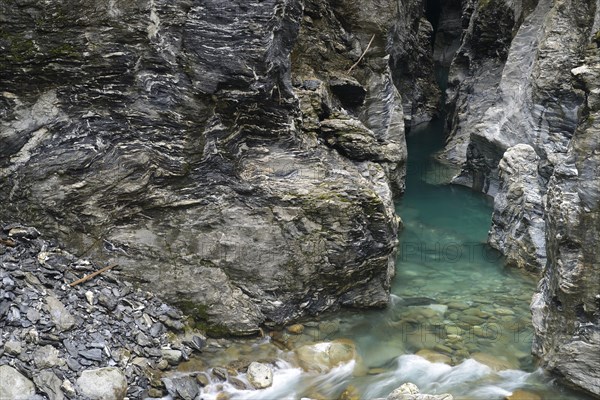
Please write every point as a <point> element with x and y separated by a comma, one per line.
<point>92,354</point>
<point>73,364</point>
<point>143,340</point>
<point>46,357</point>
<point>157,329</point>
<point>13,347</point>
<point>63,337</point>
<point>33,315</point>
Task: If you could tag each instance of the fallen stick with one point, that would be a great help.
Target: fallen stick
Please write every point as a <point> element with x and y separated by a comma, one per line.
<point>93,274</point>
<point>8,242</point>
<point>362,55</point>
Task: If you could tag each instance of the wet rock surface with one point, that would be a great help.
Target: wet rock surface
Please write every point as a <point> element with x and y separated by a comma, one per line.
<point>322,357</point>
<point>410,391</point>
<point>260,375</point>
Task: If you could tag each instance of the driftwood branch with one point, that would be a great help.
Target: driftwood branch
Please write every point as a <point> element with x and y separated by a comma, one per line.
<point>362,55</point>
<point>93,274</point>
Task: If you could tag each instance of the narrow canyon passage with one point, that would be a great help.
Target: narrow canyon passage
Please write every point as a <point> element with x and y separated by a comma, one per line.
<point>299,199</point>
<point>459,322</point>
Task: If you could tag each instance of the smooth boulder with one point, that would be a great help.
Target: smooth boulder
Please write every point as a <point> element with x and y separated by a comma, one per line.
<point>13,385</point>
<point>260,375</point>
<point>322,357</point>
<point>103,384</point>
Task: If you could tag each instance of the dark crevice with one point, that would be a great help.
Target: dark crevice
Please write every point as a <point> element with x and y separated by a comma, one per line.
<point>433,12</point>
<point>557,303</point>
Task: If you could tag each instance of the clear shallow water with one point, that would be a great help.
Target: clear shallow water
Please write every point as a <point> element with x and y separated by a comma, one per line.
<point>453,305</point>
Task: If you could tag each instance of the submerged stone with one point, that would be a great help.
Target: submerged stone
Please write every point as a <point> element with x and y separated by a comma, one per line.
<point>322,357</point>
<point>523,395</point>
<point>434,357</point>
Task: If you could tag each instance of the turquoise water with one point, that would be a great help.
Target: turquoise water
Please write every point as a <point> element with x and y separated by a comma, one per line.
<point>458,322</point>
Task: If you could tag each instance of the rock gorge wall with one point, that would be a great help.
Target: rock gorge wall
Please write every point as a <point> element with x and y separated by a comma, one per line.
<point>566,307</point>
<point>522,103</point>
<point>224,153</point>
<point>239,157</point>
<point>512,84</point>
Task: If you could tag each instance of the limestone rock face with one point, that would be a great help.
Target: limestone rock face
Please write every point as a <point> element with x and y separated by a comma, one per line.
<point>566,308</point>
<point>476,69</point>
<point>356,107</point>
<point>522,111</point>
<point>400,31</point>
<point>518,227</point>
<point>511,84</point>
<point>453,17</point>
<point>234,157</point>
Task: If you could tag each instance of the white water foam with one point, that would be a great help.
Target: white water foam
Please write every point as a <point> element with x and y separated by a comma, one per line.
<point>469,378</point>
<point>288,384</point>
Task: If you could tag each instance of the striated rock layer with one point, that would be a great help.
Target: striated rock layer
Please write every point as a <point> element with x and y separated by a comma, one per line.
<point>510,83</point>
<point>522,112</point>
<point>237,158</point>
<point>566,307</point>
<point>518,226</point>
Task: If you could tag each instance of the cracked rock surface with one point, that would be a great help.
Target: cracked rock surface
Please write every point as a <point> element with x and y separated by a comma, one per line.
<point>225,154</point>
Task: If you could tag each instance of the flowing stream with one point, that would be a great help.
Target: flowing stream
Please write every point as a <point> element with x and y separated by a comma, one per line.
<point>458,322</point>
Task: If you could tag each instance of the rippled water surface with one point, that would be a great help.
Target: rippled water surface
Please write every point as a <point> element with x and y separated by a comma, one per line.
<point>459,322</point>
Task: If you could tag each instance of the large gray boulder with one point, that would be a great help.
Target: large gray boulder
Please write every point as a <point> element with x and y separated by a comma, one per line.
<point>13,385</point>
<point>518,227</point>
<point>102,384</point>
<point>189,142</point>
